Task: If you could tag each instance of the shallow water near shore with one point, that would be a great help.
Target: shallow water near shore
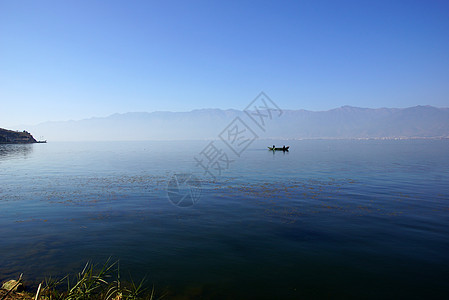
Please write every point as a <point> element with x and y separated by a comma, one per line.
<point>328,219</point>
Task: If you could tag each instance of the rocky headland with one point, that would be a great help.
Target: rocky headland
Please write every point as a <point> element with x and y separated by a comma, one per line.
<point>16,137</point>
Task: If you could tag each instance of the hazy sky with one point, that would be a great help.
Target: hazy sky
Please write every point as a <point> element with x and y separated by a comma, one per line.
<point>63,60</point>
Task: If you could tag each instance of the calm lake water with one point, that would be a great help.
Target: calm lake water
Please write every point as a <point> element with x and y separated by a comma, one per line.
<point>328,219</point>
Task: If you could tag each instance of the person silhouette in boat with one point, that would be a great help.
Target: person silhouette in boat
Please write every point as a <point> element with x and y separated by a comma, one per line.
<point>274,148</point>
<point>283,148</point>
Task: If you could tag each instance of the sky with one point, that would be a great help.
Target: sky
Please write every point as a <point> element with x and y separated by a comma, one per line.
<point>62,60</point>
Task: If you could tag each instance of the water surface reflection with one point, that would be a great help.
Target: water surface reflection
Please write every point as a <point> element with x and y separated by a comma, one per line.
<point>8,151</point>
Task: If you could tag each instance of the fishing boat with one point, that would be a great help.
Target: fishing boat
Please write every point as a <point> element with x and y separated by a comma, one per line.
<point>279,149</point>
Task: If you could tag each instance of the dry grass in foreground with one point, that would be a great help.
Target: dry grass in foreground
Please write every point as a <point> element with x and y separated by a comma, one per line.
<point>91,283</point>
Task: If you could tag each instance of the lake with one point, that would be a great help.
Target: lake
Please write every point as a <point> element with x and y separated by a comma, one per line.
<point>349,219</point>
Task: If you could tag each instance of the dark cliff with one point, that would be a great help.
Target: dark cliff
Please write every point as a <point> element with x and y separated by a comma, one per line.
<point>15,137</point>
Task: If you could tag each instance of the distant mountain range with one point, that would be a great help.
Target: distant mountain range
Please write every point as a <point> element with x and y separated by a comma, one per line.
<point>341,123</point>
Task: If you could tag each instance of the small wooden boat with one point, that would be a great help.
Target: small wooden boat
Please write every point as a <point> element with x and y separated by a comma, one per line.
<point>279,149</point>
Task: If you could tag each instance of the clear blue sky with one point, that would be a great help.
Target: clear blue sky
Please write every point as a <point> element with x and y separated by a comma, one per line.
<point>63,60</point>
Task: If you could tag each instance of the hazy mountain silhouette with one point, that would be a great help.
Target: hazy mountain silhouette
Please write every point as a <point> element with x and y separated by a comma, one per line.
<point>343,122</point>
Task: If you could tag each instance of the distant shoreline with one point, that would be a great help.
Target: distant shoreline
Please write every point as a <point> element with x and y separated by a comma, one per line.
<point>269,140</point>
<point>372,138</point>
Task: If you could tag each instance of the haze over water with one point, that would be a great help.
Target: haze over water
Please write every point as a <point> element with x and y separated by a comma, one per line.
<point>328,219</point>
